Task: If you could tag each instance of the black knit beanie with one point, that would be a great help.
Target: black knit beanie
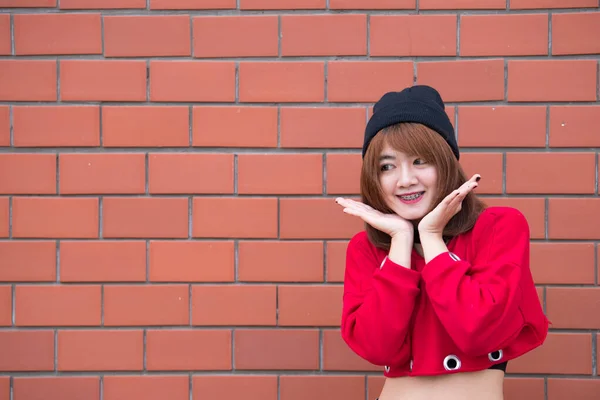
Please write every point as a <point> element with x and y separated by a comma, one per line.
<point>421,104</point>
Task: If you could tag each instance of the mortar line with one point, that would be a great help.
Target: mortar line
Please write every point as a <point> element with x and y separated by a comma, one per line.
<point>147,173</point>
<point>12,34</point>
<point>11,133</point>
<point>57,261</point>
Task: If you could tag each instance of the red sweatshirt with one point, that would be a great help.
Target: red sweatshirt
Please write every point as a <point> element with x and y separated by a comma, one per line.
<point>471,307</point>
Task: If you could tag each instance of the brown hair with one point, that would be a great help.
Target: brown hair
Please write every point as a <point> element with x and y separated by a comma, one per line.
<point>417,140</point>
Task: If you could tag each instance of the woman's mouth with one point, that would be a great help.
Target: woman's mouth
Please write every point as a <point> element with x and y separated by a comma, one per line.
<point>411,198</point>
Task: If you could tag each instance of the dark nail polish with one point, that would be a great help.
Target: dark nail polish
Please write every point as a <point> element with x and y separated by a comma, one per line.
<point>477,179</point>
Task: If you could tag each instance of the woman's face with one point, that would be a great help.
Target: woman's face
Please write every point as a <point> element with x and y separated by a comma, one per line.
<point>408,183</point>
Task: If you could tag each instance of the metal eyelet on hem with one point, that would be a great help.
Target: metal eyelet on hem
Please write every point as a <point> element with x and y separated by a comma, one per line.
<point>386,368</point>
<point>451,363</point>
<point>495,355</point>
<point>454,256</point>
<point>383,262</point>
<point>411,365</point>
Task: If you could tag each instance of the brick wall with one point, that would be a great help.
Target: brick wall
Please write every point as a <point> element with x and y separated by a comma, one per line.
<point>168,170</point>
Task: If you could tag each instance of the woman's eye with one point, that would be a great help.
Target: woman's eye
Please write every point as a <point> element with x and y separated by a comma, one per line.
<point>386,167</point>
<point>420,161</point>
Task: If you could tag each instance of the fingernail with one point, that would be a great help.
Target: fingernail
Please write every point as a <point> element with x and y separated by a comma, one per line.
<point>477,179</point>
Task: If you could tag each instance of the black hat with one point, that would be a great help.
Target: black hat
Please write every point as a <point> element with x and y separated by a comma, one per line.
<point>421,104</point>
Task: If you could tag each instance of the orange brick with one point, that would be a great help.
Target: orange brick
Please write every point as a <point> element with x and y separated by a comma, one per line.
<point>28,3</point>
<point>331,127</point>
<point>560,303</point>
<point>191,261</point>
<point>569,388</point>
<point>278,5</point>
<point>291,81</point>
<point>57,34</point>
<point>5,39</point>
<point>27,173</point>
<point>324,35</point>
<point>462,4</point>
<point>146,387</point>
<point>343,173</point>
<point>56,126</point>
<point>192,81</point>
<point>134,305</point>
<point>146,126</point>
<point>100,350</point>
<point>185,350</point>
<point>277,261</point>
<point>542,80</point>
<point>571,33</point>
<point>577,212</point>
<point>102,80</point>
<point>528,388</point>
<point>4,216</point>
<point>273,349</point>
<point>235,126</point>
<point>56,387</point>
<point>336,260</point>
<point>504,35</point>
<point>574,126</point>
<point>534,210</point>
<point>147,35</point>
<point>246,217</point>
<point>53,305</point>
<point>191,4</point>
<point>25,261</point>
<point>102,261</point>
<point>280,173</point>
<point>129,217</point>
<point>321,387</point>
<point>366,81</point>
<point>28,80</point>
<point>250,387</point>
<point>502,126</point>
<point>303,219</point>
<point>548,261</point>
<point>413,35</point>
<point>236,36</point>
<point>234,305</point>
<point>489,166</point>
<point>309,305</point>
<point>5,306</point>
<point>337,356</point>
<point>5,126</point>
<point>533,4</point>
<point>190,173</point>
<point>43,217</point>
<point>371,4</point>
<point>102,173</point>
<point>101,4</point>
<point>473,80</point>
<point>27,350</point>
<point>561,172</point>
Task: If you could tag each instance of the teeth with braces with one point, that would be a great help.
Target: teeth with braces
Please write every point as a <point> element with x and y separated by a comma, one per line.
<point>411,197</point>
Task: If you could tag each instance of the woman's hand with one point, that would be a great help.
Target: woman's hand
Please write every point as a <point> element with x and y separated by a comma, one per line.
<point>391,224</point>
<point>435,222</point>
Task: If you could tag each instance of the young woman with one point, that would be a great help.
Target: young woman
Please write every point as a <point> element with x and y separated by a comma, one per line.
<point>437,289</point>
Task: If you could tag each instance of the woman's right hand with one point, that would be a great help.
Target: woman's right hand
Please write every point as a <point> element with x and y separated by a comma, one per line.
<point>392,224</point>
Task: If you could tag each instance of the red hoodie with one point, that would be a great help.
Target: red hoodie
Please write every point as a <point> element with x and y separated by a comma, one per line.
<point>467,309</point>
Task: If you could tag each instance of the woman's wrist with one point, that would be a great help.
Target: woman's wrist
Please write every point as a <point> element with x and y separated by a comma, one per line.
<point>401,249</point>
<point>433,245</point>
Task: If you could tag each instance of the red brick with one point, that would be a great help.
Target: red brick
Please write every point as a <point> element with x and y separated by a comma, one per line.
<point>248,387</point>
<point>101,4</point>
<point>292,81</point>
<point>234,126</point>
<point>322,387</point>
<point>303,219</point>
<point>147,35</point>
<point>4,217</point>
<point>473,80</point>
<point>28,261</point>
<point>5,306</point>
<point>246,217</point>
<point>560,303</point>
<point>462,4</point>
<point>43,217</point>
<point>574,126</point>
<point>236,36</point>
<point>372,4</point>
<point>100,350</point>
<point>191,261</point>
<point>28,80</point>
<point>273,349</point>
<point>330,127</point>
<point>366,81</point>
<point>577,212</point>
<point>27,351</point>
<point>102,261</point>
<point>413,35</point>
<point>4,126</point>
<point>147,387</point>
<point>186,350</point>
<point>280,173</point>
<point>134,305</point>
<point>336,260</point>
<point>570,388</point>
<point>533,4</point>
<point>542,80</point>
<point>25,173</point>
<point>570,173</point>
<point>56,126</point>
<point>53,305</point>
<point>534,210</point>
<point>343,173</point>
<point>502,126</point>
<point>374,386</point>
<point>574,350</point>
<point>5,39</point>
<point>277,261</point>
<point>324,35</point>
<point>504,35</point>
<point>56,387</point>
<point>102,80</point>
<point>528,388</point>
<point>309,305</point>
<point>548,261</point>
<point>234,305</point>
<point>192,81</point>
<point>278,5</point>
<point>571,33</point>
<point>337,356</point>
<point>5,387</point>
<point>27,3</point>
<point>57,34</point>
<point>129,217</point>
<point>489,166</point>
<point>101,173</point>
<point>190,173</point>
<point>192,4</point>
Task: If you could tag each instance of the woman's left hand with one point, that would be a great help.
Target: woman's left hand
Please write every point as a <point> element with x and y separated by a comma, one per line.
<point>435,222</point>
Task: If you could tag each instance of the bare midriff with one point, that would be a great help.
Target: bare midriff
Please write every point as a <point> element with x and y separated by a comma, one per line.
<point>487,384</point>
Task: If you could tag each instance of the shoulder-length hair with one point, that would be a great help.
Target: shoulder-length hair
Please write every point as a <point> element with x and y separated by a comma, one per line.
<point>416,139</point>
